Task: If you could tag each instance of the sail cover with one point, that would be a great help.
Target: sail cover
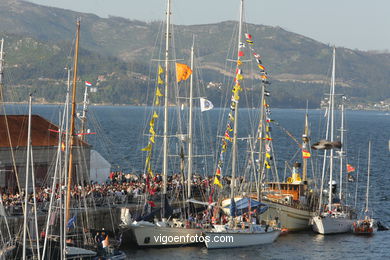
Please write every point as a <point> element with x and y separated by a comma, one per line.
<point>241,206</point>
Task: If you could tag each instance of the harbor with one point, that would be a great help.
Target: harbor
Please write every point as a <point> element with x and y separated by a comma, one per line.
<point>202,159</point>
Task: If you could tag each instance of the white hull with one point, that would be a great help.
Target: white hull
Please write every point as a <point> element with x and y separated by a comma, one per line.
<point>153,236</point>
<point>239,239</point>
<point>290,218</point>
<point>332,225</point>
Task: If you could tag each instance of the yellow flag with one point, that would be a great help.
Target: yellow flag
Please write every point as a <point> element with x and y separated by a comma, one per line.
<point>158,92</point>
<point>267,165</point>
<point>157,102</point>
<point>267,155</point>
<point>151,130</point>
<point>239,62</point>
<point>155,115</point>
<point>151,139</point>
<point>183,72</point>
<point>147,148</point>
<point>160,70</point>
<point>217,182</point>
<point>151,123</point>
<point>216,178</point>
<point>159,80</point>
<point>240,77</point>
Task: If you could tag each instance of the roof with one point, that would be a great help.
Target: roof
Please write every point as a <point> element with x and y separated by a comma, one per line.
<point>18,128</point>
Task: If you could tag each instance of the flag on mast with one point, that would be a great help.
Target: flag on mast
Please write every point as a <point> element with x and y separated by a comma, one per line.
<point>205,105</point>
<point>88,84</point>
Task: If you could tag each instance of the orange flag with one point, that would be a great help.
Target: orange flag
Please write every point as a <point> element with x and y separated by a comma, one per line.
<point>183,72</point>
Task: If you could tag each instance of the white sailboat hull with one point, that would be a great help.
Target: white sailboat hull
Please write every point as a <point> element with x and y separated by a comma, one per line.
<point>233,239</point>
<point>154,236</point>
<point>290,218</point>
<point>332,225</point>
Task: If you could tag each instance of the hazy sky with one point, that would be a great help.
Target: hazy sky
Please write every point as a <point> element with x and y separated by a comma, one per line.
<point>355,24</point>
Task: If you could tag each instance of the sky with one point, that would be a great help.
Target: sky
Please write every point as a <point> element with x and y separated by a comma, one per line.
<point>354,24</point>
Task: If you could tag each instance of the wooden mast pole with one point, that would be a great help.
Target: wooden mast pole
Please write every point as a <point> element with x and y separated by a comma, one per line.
<point>72,122</point>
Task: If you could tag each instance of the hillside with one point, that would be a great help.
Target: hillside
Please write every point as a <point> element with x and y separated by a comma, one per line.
<point>123,48</point>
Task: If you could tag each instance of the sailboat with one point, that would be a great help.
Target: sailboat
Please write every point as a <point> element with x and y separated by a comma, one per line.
<point>333,217</point>
<point>366,224</point>
<point>240,231</point>
<point>160,232</point>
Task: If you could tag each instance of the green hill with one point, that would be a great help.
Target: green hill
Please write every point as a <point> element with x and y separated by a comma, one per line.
<point>119,51</point>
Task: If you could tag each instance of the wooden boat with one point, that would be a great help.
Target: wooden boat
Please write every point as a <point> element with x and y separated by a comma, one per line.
<point>366,225</point>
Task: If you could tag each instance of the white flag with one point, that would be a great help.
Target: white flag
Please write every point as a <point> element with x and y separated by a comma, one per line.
<point>205,104</point>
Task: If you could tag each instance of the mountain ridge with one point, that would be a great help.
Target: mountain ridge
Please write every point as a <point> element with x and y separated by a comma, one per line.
<point>291,59</point>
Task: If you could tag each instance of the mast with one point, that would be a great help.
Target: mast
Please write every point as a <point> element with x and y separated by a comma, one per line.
<point>165,144</point>
<point>27,178</point>
<point>1,67</point>
<point>63,172</point>
<point>84,115</point>
<point>331,128</point>
<point>305,146</point>
<point>189,176</point>
<point>342,148</point>
<point>368,175</point>
<point>72,123</point>
<point>234,146</point>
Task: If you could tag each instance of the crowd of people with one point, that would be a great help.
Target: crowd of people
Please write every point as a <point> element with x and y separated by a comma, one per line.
<point>118,189</point>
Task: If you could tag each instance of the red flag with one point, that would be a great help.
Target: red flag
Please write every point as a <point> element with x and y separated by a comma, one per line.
<point>350,168</point>
<point>240,54</point>
<point>248,36</point>
<point>151,203</point>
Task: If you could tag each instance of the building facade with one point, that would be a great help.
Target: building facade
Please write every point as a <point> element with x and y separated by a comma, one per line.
<point>45,142</point>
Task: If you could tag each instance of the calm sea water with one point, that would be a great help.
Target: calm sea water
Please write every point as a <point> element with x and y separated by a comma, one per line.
<point>120,136</point>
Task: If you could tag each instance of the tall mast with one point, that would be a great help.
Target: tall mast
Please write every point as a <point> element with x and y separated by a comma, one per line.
<point>331,128</point>
<point>165,145</point>
<point>189,176</point>
<point>305,146</point>
<point>368,175</point>
<point>72,122</point>
<point>1,66</point>
<point>27,178</point>
<point>84,115</point>
<point>341,149</point>
<point>234,146</point>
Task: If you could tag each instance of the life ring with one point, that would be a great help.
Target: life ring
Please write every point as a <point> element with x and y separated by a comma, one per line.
<point>289,180</point>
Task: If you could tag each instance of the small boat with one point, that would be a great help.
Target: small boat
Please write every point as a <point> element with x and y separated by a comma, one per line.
<point>366,225</point>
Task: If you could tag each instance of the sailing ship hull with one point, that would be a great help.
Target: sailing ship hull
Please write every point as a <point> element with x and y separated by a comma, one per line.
<point>290,218</point>
<point>213,240</point>
<point>154,236</point>
<point>331,225</point>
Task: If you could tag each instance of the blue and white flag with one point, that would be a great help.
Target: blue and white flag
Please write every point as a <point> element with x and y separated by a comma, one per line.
<point>205,104</point>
